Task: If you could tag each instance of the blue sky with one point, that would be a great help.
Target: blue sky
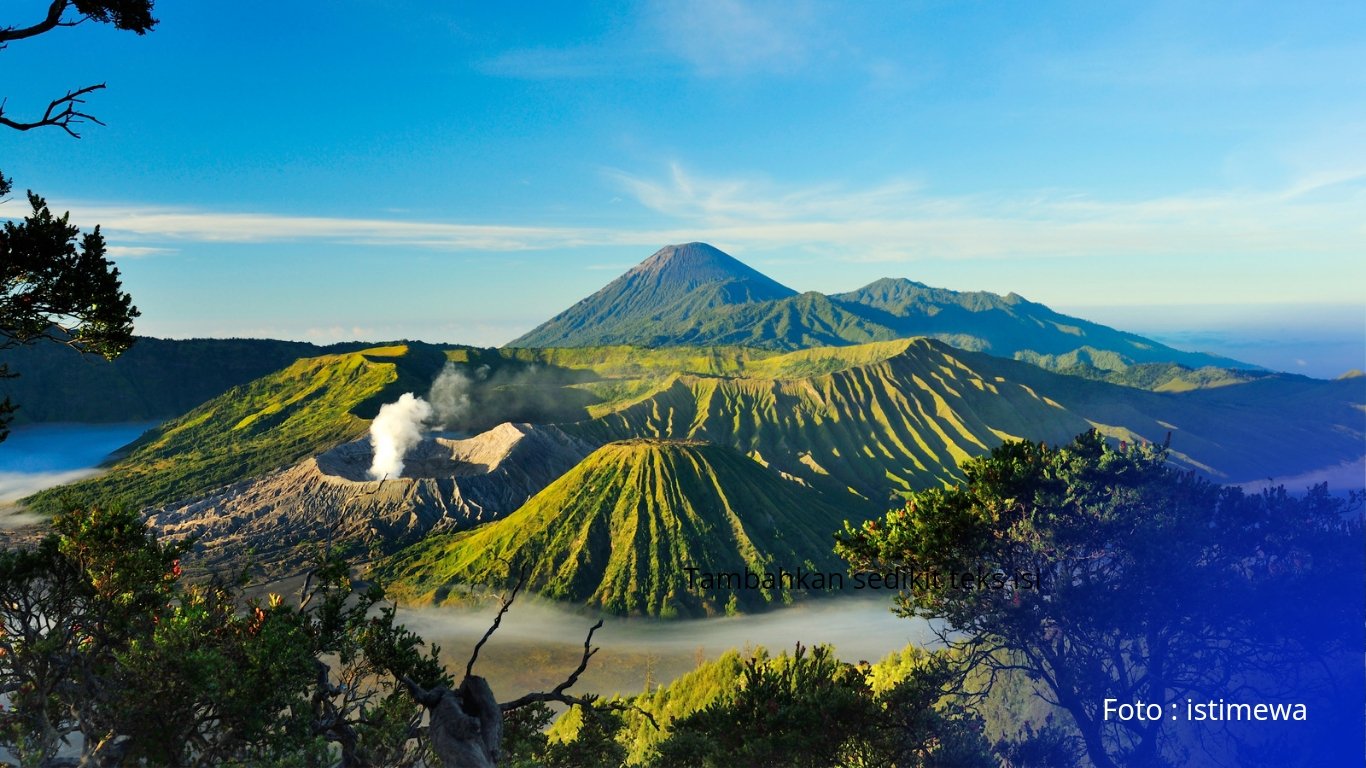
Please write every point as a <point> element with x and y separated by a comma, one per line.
<point>462,171</point>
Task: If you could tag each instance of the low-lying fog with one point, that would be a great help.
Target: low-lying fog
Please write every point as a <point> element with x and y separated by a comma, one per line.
<point>40,456</point>
<point>539,644</point>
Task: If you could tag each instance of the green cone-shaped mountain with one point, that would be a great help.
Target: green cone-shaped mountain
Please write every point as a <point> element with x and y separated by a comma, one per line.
<point>671,291</point>
<point>696,295</point>
<point>619,531</point>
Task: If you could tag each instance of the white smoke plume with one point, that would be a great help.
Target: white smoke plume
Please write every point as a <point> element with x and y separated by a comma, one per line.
<point>396,429</point>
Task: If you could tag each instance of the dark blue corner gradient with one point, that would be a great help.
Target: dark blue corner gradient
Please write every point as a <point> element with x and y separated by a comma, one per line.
<point>1296,637</point>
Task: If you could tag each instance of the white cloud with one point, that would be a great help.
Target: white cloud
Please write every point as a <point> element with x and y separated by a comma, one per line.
<point>192,225</point>
<point>136,251</point>
<point>708,38</point>
<point>1314,216</point>
<point>902,221</point>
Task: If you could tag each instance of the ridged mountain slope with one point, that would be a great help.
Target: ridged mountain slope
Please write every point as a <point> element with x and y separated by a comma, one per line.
<point>618,531</point>
<point>895,415</point>
<point>155,379</point>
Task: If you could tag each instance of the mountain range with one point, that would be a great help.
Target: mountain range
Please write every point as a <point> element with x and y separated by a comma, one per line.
<point>608,470</point>
<point>696,295</point>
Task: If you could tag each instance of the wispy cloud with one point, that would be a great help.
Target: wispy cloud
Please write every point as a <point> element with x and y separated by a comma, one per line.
<point>901,220</point>
<point>738,37</point>
<point>192,225</point>
<point>136,251</point>
<point>1314,216</point>
<point>707,38</point>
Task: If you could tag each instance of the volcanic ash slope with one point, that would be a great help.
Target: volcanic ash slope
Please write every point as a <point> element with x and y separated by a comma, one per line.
<point>449,485</point>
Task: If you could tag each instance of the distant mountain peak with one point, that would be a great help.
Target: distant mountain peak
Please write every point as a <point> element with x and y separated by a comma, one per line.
<point>671,289</point>
<point>692,264</point>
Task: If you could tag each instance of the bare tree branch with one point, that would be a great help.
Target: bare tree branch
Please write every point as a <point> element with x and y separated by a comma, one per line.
<point>506,603</point>
<point>557,694</point>
<point>50,22</point>
<point>62,113</point>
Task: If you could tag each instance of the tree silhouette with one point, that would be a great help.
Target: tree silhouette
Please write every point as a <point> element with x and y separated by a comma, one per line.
<point>51,289</point>
<point>1108,574</point>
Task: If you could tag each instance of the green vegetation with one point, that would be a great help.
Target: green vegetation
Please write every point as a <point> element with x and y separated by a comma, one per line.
<point>104,646</point>
<point>1156,586</point>
<point>300,411</point>
<point>858,422</point>
<point>804,708</point>
<point>52,291</point>
<point>1165,377</point>
<point>619,531</point>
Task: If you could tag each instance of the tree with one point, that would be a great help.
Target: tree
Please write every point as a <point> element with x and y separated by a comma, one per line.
<point>104,646</point>
<point>65,112</point>
<point>810,709</point>
<point>1108,574</point>
<point>57,291</point>
<point>48,288</point>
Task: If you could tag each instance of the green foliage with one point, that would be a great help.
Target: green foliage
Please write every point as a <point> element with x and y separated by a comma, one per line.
<point>595,743</point>
<point>1050,746</point>
<point>524,737</point>
<point>810,709</point>
<point>792,710</point>
<point>53,290</point>
<point>101,641</point>
<point>133,15</point>
<point>1156,585</point>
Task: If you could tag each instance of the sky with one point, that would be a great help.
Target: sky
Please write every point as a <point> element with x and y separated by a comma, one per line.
<point>459,172</point>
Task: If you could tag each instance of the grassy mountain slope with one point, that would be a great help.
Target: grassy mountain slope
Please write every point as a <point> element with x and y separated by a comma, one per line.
<point>892,415</point>
<point>695,295</point>
<point>882,417</point>
<point>155,379</point>
<point>618,531</point>
<point>299,411</point>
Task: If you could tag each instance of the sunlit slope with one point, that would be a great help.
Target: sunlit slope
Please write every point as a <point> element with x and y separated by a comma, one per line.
<point>870,419</point>
<point>302,410</point>
<point>619,531</point>
<point>887,416</point>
